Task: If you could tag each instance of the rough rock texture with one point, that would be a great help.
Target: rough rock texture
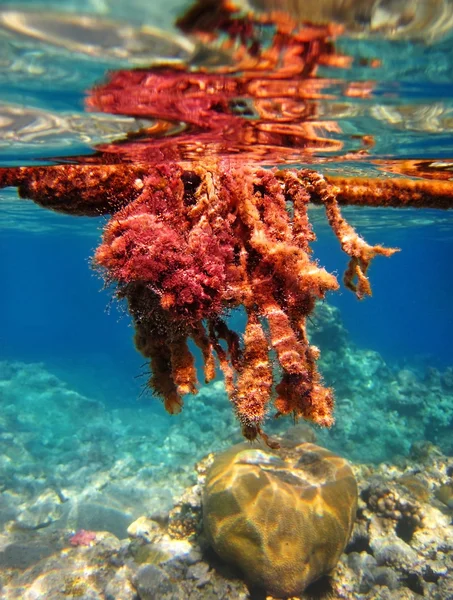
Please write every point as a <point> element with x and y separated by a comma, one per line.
<point>283,517</point>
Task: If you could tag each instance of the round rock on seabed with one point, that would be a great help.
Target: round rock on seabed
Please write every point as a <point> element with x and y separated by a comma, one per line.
<point>282,517</point>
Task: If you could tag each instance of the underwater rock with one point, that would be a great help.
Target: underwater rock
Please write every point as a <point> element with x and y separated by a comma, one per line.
<point>297,434</point>
<point>402,533</point>
<point>153,583</point>
<point>200,573</point>
<point>119,587</point>
<point>21,554</point>
<point>369,574</point>
<point>284,522</point>
<point>394,552</point>
<point>92,516</point>
<point>8,507</point>
<point>43,513</point>
<point>445,494</point>
<point>144,529</point>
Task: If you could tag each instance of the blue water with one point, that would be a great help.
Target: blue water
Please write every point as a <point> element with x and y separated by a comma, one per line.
<point>408,317</point>
<point>55,307</point>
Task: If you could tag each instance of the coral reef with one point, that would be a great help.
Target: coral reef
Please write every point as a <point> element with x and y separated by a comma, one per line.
<point>405,403</point>
<point>283,519</point>
<point>390,555</point>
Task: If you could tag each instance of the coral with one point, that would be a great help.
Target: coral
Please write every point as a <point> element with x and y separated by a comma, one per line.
<point>83,538</point>
<point>283,521</point>
<point>391,504</point>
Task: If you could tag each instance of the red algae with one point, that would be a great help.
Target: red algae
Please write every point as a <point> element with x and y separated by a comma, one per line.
<point>198,228</point>
<point>83,538</point>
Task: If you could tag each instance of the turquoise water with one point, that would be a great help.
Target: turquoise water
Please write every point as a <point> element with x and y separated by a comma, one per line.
<point>74,409</point>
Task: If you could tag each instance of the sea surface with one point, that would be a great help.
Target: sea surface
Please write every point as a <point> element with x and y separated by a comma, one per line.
<point>73,404</point>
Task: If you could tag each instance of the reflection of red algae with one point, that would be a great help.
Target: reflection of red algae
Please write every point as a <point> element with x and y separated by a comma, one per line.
<point>257,117</point>
<point>83,538</point>
<point>196,232</point>
<point>262,106</point>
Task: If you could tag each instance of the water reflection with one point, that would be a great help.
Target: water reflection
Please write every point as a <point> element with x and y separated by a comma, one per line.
<point>414,19</point>
<point>303,101</point>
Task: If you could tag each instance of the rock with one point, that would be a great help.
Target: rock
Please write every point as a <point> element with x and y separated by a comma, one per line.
<point>153,583</point>
<point>145,529</point>
<point>381,576</point>
<point>445,494</point>
<point>41,514</point>
<point>22,554</point>
<point>200,572</point>
<point>394,552</point>
<point>97,517</point>
<point>297,434</point>
<point>119,587</point>
<point>8,508</point>
<point>282,518</point>
<point>65,583</point>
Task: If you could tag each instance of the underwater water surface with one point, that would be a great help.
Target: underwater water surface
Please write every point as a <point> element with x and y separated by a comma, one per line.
<point>75,413</point>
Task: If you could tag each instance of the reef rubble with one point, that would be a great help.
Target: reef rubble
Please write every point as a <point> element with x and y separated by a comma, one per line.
<point>401,547</point>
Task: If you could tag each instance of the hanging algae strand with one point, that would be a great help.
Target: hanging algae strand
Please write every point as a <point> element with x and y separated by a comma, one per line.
<point>196,244</point>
